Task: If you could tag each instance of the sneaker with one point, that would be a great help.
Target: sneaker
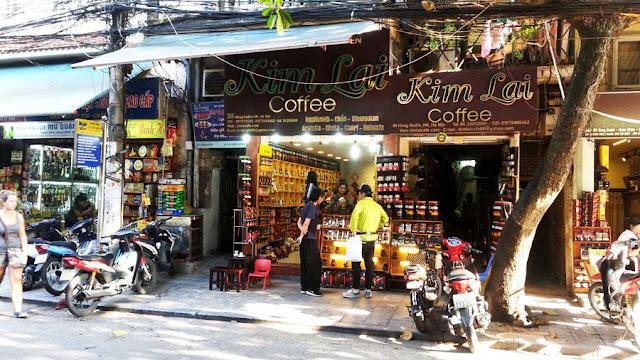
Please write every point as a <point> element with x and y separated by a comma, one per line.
<point>303,291</point>
<point>313,293</point>
<point>21,315</point>
<point>367,293</point>
<point>352,293</point>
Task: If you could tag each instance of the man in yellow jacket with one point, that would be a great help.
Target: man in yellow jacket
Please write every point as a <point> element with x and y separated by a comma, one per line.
<point>367,217</point>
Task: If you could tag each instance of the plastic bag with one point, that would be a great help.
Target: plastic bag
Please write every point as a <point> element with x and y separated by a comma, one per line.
<point>354,249</point>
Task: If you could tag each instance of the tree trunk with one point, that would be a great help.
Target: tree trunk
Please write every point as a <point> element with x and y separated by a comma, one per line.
<point>505,288</point>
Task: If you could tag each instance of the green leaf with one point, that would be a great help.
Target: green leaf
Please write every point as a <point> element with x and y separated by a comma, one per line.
<point>271,21</point>
<point>279,3</point>
<point>269,3</point>
<point>280,25</point>
<point>287,17</point>
<point>266,12</point>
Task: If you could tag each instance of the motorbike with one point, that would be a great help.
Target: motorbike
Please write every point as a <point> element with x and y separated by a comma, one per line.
<point>41,233</point>
<point>79,240</point>
<point>106,273</point>
<point>425,288</point>
<point>629,311</point>
<point>467,310</point>
<point>158,245</point>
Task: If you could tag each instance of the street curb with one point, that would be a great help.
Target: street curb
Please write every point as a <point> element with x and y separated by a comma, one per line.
<point>354,330</point>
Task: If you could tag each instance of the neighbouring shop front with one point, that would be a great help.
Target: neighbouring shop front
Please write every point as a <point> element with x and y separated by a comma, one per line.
<point>440,150</point>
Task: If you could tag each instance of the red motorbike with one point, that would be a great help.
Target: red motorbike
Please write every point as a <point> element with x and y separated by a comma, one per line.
<point>629,312</point>
<point>467,309</point>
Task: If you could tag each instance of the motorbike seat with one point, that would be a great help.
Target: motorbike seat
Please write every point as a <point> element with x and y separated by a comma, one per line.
<point>104,257</point>
<point>124,233</point>
<point>460,274</point>
<point>65,244</point>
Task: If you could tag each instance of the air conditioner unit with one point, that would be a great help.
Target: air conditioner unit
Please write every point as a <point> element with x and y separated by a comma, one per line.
<point>213,83</point>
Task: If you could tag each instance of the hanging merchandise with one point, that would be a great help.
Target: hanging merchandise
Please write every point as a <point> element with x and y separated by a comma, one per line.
<point>486,39</point>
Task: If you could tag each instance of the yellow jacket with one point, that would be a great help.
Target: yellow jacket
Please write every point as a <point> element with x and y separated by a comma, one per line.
<point>367,217</point>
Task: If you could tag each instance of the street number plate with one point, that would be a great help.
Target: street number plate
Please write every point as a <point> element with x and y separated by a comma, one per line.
<point>463,300</point>
<point>414,285</point>
<point>40,259</point>
<point>67,274</point>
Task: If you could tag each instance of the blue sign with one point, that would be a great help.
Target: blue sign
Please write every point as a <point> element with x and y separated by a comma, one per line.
<point>141,99</point>
<point>208,126</point>
<point>88,143</point>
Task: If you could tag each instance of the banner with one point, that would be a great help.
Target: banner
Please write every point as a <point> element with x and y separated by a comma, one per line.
<point>208,126</point>
<point>40,130</point>
<point>88,142</point>
<point>141,98</point>
<point>145,129</point>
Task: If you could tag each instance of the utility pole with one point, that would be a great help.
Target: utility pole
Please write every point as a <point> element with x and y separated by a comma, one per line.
<point>112,179</point>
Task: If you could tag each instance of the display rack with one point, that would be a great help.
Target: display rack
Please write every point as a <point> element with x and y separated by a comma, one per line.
<point>424,233</point>
<point>392,178</point>
<point>500,213</point>
<point>508,181</point>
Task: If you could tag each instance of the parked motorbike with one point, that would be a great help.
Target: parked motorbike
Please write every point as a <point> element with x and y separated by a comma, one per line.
<point>41,233</point>
<point>157,244</point>
<point>80,240</point>
<point>466,308</point>
<point>426,287</point>
<point>629,313</point>
<point>93,277</point>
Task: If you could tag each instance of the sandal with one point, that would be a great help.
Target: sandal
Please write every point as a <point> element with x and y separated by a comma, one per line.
<point>21,315</point>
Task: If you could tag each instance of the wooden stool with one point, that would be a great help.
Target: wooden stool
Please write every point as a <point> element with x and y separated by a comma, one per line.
<point>234,278</point>
<point>221,277</point>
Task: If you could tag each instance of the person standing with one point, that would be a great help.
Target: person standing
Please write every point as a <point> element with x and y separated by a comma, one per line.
<point>312,183</point>
<point>310,261</point>
<point>14,238</point>
<point>367,217</point>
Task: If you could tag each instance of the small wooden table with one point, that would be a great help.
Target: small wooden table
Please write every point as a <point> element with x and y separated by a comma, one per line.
<point>246,263</point>
<point>234,278</point>
<point>221,277</point>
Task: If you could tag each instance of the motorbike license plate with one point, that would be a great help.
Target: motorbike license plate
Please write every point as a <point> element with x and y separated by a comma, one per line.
<point>463,300</point>
<point>411,285</point>
<point>67,274</point>
<point>40,259</point>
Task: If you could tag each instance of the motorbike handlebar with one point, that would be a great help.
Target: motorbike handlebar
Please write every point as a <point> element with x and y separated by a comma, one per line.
<point>476,251</point>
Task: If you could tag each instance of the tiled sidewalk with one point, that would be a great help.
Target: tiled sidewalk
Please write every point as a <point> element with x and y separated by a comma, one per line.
<point>567,328</point>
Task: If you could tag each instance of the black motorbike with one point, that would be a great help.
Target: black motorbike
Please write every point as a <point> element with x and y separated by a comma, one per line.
<point>426,287</point>
<point>157,244</point>
<point>44,232</point>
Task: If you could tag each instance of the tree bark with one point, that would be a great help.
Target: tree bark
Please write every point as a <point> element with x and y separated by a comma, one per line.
<point>505,288</point>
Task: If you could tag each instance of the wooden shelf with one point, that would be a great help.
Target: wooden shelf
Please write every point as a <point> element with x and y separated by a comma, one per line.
<point>603,242</point>
<point>417,234</point>
<point>419,221</point>
<point>334,228</point>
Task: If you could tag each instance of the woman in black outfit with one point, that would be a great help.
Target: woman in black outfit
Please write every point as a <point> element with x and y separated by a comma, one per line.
<point>312,183</point>
<point>310,262</point>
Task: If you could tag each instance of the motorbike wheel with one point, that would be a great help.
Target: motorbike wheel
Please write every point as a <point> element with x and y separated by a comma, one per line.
<point>27,280</point>
<point>76,303</point>
<point>472,338</point>
<point>421,322</point>
<point>145,283</point>
<point>50,275</point>
<point>596,299</point>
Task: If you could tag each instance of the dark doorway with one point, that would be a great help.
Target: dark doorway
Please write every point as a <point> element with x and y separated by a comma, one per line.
<point>228,194</point>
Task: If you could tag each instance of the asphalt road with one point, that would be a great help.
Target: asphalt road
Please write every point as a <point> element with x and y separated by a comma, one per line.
<point>50,334</point>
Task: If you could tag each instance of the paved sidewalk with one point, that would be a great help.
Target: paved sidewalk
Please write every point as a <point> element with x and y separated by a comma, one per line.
<point>567,329</point>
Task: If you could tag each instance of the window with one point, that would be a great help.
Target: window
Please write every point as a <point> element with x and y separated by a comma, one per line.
<point>627,63</point>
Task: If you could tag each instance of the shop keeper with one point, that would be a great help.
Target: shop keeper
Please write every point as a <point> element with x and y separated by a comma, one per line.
<point>364,219</point>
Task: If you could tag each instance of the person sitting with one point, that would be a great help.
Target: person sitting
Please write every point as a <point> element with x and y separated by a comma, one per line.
<point>81,209</point>
<point>340,195</point>
<point>615,265</point>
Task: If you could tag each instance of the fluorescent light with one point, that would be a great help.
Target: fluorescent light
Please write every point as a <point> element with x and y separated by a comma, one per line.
<point>345,159</point>
<point>338,157</point>
<point>330,155</point>
<point>309,148</point>
<point>306,137</point>
<point>339,137</point>
<point>373,148</point>
<point>275,137</point>
<point>409,250</point>
<point>355,151</point>
<point>620,142</point>
<point>405,263</point>
<point>296,144</point>
<point>246,138</point>
<point>320,152</point>
<point>465,163</point>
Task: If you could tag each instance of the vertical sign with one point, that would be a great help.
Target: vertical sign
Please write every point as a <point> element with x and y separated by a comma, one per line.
<point>88,142</point>
<point>208,126</point>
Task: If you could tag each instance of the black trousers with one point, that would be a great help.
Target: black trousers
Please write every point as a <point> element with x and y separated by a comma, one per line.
<point>368,247</point>
<point>310,265</point>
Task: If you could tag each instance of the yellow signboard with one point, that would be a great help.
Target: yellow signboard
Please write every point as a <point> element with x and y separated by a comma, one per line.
<point>266,150</point>
<point>146,129</point>
<point>88,127</point>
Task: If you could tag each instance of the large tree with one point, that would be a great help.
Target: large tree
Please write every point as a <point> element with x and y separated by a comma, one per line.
<point>505,288</point>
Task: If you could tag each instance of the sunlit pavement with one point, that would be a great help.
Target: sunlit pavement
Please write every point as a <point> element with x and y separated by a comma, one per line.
<point>50,334</point>
<point>565,328</point>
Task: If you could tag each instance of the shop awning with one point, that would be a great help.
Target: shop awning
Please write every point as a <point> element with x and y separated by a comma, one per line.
<point>186,46</point>
<point>44,90</point>
<point>615,115</point>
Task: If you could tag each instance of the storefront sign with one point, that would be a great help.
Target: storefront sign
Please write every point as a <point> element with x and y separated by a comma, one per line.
<point>323,90</point>
<point>145,129</point>
<point>40,130</point>
<point>88,142</point>
<point>208,126</point>
<point>615,115</point>
<point>141,100</point>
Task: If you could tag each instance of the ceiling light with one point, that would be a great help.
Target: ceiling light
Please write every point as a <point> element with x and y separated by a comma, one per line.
<point>275,137</point>
<point>373,148</point>
<point>338,157</point>
<point>620,142</point>
<point>246,138</point>
<point>345,159</point>
<point>306,137</point>
<point>339,137</point>
<point>355,151</point>
<point>624,157</point>
<point>296,144</point>
<point>309,148</point>
<point>320,152</point>
<point>330,155</point>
